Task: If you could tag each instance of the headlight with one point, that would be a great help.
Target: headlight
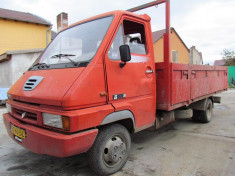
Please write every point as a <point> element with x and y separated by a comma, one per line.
<point>9,108</point>
<point>56,121</point>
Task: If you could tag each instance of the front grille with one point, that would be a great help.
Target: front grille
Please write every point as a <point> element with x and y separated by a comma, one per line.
<point>27,103</point>
<point>25,114</point>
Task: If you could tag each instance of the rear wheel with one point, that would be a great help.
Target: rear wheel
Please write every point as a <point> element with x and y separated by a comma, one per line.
<point>205,116</point>
<point>196,116</point>
<point>110,150</point>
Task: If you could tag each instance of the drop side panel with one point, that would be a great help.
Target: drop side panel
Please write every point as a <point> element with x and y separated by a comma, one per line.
<point>189,83</point>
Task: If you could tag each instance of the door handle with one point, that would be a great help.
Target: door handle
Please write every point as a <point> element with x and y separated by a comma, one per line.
<point>149,71</point>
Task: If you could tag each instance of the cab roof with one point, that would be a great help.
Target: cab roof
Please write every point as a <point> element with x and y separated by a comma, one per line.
<point>117,13</point>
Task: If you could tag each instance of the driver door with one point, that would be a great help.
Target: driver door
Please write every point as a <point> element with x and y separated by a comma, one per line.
<point>132,87</point>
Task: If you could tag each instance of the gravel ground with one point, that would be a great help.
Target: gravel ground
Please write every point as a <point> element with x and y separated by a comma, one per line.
<point>183,148</point>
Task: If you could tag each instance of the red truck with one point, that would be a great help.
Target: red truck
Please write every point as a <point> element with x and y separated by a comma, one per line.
<point>97,82</point>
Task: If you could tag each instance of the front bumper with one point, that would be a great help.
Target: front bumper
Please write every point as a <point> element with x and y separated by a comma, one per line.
<point>43,141</point>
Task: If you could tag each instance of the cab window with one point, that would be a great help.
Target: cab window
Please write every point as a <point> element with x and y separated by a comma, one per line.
<point>135,37</point>
<point>113,52</point>
<point>129,33</point>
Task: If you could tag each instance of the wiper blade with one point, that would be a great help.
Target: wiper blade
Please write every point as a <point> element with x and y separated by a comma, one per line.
<point>66,56</point>
<point>39,65</point>
<point>62,55</point>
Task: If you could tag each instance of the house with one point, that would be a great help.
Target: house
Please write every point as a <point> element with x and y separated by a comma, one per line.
<point>195,57</point>
<point>21,49</point>
<point>179,51</point>
<point>53,34</point>
<point>23,31</point>
<point>231,72</point>
<point>219,62</point>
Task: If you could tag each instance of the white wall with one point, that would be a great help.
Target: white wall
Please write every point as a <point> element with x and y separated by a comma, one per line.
<point>13,69</point>
<point>5,73</point>
<point>194,56</point>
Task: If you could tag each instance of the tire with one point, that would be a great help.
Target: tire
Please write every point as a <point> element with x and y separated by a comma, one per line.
<point>196,116</point>
<point>205,116</point>
<point>110,150</point>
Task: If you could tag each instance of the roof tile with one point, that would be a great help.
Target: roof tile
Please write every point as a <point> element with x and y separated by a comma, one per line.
<point>22,16</point>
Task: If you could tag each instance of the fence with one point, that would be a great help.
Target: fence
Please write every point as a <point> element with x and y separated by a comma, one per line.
<point>231,76</point>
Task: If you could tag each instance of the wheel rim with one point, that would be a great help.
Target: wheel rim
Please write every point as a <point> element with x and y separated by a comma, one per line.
<point>209,111</point>
<point>114,151</point>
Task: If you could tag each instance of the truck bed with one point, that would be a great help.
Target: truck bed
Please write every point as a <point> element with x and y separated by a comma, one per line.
<point>188,84</point>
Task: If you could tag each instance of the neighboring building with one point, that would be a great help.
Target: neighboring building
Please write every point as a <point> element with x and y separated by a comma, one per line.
<point>53,34</point>
<point>179,51</point>
<point>62,21</point>
<point>231,72</point>
<point>14,63</point>
<point>20,31</point>
<point>195,57</point>
<point>23,38</point>
<point>219,62</point>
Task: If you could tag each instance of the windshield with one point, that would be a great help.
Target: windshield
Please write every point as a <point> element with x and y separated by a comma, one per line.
<point>75,45</point>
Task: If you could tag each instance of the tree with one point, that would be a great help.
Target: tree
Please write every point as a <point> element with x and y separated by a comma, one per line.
<point>228,57</point>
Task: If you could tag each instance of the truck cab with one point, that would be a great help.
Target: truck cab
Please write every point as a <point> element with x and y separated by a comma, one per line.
<point>82,89</point>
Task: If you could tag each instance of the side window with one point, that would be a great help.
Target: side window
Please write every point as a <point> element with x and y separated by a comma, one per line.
<point>113,52</point>
<point>135,37</point>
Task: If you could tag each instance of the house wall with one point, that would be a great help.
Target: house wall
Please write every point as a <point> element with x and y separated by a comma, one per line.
<point>194,56</point>
<point>17,35</point>
<point>158,50</point>
<point>176,44</point>
<point>5,73</point>
<point>11,70</point>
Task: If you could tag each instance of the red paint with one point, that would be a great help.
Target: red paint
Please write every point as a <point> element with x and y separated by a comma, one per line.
<point>80,119</point>
<point>43,141</point>
<point>189,83</point>
<point>76,92</point>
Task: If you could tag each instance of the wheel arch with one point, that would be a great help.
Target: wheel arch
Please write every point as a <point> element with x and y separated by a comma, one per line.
<point>201,105</point>
<point>124,117</point>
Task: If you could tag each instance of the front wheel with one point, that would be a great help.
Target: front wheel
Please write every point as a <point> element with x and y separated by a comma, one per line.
<point>110,150</point>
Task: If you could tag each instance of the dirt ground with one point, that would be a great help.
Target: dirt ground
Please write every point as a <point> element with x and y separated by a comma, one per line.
<point>183,148</point>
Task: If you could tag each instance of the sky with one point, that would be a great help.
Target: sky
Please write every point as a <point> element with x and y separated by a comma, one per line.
<point>207,24</point>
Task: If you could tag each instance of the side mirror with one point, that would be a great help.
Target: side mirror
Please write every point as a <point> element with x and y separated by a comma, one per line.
<point>125,54</point>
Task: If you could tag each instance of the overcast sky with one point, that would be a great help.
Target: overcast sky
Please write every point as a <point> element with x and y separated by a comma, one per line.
<point>207,24</point>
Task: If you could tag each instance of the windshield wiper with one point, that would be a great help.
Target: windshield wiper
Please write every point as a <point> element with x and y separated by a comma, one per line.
<point>66,56</point>
<point>39,65</point>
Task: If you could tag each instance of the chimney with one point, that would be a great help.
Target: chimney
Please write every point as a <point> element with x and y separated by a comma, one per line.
<point>62,21</point>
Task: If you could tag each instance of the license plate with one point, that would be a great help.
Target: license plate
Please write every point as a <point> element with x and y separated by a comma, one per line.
<point>19,132</point>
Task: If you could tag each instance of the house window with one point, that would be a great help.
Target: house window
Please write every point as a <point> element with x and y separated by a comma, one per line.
<point>174,56</point>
